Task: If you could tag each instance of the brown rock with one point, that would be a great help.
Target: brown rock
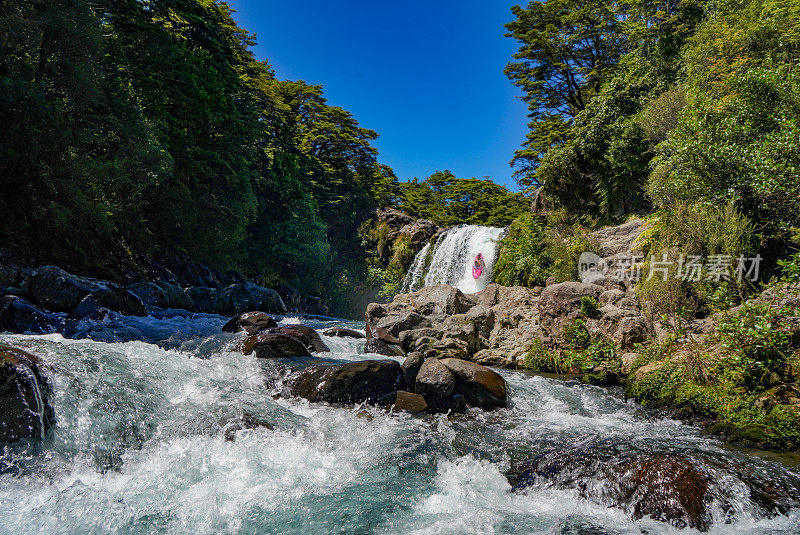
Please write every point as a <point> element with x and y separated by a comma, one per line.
<point>250,322</point>
<point>408,402</point>
<point>434,378</point>
<point>274,345</point>
<point>480,386</point>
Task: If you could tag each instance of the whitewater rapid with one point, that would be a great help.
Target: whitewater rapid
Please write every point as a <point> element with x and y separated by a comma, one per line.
<point>141,445</point>
<point>451,258</point>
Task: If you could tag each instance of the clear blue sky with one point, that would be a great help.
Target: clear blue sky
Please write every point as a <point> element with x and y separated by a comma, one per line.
<point>427,76</point>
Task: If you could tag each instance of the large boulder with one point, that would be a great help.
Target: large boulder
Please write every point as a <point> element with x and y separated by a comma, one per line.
<point>310,338</point>
<point>409,402</point>
<point>116,299</point>
<point>419,232</point>
<point>274,345</point>
<point>480,386</point>
<point>440,301</point>
<point>434,379</point>
<point>20,316</point>
<point>250,322</point>
<point>176,296</point>
<point>55,289</point>
<point>150,294</point>
<point>560,303</point>
<point>352,382</point>
<point>25,411</point>
<point>393,319</point>
<point>411,365</point>
<point>238,298</point>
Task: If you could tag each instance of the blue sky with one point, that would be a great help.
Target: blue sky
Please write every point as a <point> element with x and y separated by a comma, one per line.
<point>427,76</point>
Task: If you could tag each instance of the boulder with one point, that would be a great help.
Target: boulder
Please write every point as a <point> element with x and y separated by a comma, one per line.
<point>434,378</point>
<point>437,302</point>
<point>55,289</point>
<point>559,304</point>
<point>409,339</point>
<point>480,386</point>
<point>310,338</point>
<point>665,487</point>
<point>394,319</point>
<point>411,366</point>
<point>116,299</point>
<point>352,382</point>
<point>203,298</point>
<point>20,316</point>
<point>237,298</point>
<point>290,296</point>
<point>25,411</point>
<point>177,297</point>
<point>341,332</point>
<point>250,322</point>
<point>381,347</point>
<point>315,306</point>
<point>274,345</point>
<point>409,402</point>
<point>150,294</point>
<point>419,231</point>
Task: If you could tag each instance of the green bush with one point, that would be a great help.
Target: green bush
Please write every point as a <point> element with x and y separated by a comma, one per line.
<point>687,231</point>
<point>589,306</point>
<point>523,259</point>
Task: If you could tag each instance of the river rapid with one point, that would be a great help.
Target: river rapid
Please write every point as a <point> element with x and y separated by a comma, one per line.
<point>163,427</point>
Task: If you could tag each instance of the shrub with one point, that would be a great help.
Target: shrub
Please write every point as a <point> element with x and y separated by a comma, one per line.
<point>679,234</point>
<point>589,306</point>
<point>523,259</point>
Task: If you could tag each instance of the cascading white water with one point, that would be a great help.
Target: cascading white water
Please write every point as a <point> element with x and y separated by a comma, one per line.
<point>453,255</point>
<point>414,277</point>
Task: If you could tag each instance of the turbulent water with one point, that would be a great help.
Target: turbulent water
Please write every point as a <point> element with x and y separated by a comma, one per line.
<point>141,445</point>
<point>451,260</point>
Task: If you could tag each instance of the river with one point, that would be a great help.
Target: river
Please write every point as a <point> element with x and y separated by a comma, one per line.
<point>142,445</point>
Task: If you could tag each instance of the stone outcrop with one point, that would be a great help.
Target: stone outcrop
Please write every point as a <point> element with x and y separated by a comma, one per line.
<point>250,322</point>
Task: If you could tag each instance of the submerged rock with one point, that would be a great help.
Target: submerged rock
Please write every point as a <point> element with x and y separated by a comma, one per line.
<point>669,488</point>
<point>250,322</point>
<point>25,411</point>
<point>274,345</point>
<point>352,382</point>
<point>480,386</point>
<point>409,402</point>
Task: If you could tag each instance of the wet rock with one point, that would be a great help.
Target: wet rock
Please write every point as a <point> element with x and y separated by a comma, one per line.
<point>20,316</point>
<point>55,289</point>
<point>25,411</point>
<point>177,297</point>
<point>310,338</point>
<point>480,386</point>
<point>381,333</point>
<point>409,402</point>
<point>150,294</point>
<point>411,366</point>
<point>116,299</point>
<point>342,332</point>
<point>434,378</point>
<point>237,298</point>
<point>352,382</point>
<point>250,322</point>
<point>274,345</point>
<point>203,298</point>
<point>380,347</point>
<point>454,403</point>
<point>668,488</point>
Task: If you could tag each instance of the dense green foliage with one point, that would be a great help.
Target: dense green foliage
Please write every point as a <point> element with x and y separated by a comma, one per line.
<point>148,129</point>
<point>448,201</point>
<point>688,101</point>
<point>537,248</point>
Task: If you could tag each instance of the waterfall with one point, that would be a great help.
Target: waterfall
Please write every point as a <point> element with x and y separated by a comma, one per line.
<point>414,277</point>
<point>452,257</point>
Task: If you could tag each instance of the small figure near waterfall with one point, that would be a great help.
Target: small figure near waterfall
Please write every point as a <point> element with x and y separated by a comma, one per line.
<point>477,266</point>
